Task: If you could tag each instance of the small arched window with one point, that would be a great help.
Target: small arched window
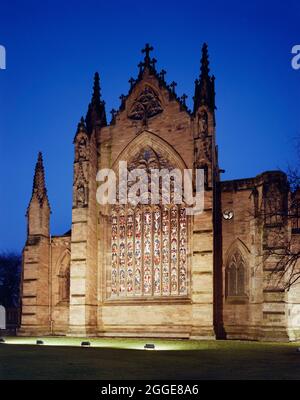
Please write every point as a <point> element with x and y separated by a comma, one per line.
<point>236,275</point>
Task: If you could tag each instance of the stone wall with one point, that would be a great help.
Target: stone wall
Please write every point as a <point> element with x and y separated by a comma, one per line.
<point>265,312</point>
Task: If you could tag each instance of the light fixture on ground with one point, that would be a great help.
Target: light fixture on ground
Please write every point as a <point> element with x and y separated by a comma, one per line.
<point>149,346</point>
<point>39,341</point>
<point>85,344</point>
<point>2,340</point>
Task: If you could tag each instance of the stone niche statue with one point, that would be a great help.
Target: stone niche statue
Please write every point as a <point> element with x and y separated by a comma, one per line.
<point>81,198</point>
<point>82,149</point>
<point>202,123</point>
<point>80,194</point>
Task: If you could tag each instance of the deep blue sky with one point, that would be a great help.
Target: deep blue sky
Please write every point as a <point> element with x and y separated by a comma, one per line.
<point>54,48</point>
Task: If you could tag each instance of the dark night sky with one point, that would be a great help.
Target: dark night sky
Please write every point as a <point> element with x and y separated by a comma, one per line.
<point>54,50</point>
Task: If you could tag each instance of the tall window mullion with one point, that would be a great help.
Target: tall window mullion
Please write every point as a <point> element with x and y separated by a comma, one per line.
<point>115,257</point>
<point>147,247</point>
<point>130,251</point>
<point>165,251</point>
<point>122,253</point>
<point>157,251</point>
<point>138,253</point>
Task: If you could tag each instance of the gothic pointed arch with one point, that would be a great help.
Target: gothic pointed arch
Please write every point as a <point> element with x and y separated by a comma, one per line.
<point>237,271</point>
<point>150,139</point>
<point>63,273</point>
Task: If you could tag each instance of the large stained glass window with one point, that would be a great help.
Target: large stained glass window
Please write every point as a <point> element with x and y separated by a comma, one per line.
<point>149,251</point>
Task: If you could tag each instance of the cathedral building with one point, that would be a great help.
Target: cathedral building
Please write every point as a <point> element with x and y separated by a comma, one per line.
<point>153,270</point>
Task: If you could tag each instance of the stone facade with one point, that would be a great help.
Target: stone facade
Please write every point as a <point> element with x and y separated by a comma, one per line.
<point>215,282</point>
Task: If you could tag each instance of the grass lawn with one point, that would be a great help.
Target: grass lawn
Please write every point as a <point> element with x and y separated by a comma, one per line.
<point>126,359</point>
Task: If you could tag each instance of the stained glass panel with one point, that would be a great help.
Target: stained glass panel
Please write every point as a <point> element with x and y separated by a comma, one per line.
<point>149,251</point>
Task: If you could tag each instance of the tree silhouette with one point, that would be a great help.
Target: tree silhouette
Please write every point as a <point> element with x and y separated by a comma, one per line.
<point>10,274</point>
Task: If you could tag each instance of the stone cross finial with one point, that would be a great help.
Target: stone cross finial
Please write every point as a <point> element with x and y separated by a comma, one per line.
<point>122,98</point>
<point>141,65</point>
<point>147,50</point>
<point>113,115</point>
<point>153,62</point>
<point>162,74</point>
<point>113,112</point>
<point>183,99</point>
<point>132,82</point>
<point>172,86</point>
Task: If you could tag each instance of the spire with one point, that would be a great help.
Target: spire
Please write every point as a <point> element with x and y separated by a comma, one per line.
<point>205,85</point>
<point>204,62</point>
<point>96,116</point>
<point>81,127</point>
<point>96,88</point>
<point>39,186</point>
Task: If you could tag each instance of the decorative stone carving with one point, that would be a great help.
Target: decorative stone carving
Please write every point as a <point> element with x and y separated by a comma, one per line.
<point>80,189</point>
<point>146,105</point>
<point>207,146</point>
<point>82,148</point>
<point>202,123</point>
<point>149,159</point>
<point>152,162</point>
<point>80,196</point>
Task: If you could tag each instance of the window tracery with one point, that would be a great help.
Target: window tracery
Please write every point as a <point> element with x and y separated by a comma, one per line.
<point>146,105</point>
<point>236,275</point>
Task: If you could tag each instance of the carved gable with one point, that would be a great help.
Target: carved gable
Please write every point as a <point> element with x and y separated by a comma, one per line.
<point>146,105</point>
